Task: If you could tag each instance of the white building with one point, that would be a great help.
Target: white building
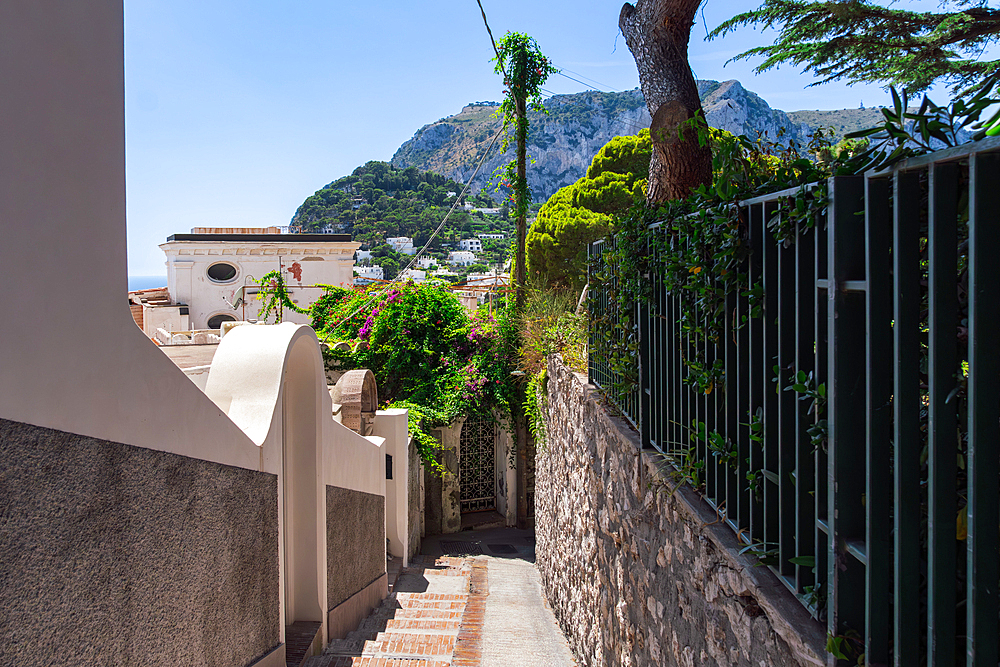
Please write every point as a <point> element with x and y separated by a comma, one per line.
<point>472,245</point>
<point>426,262</point>
<point>461,258</point>
<point>362,255</point>
<point>213,275</point>
<point>367,274</point>
<point>492,235</point>
<point>487,279</point>
<point>416,275</point>
<point>401,244</point>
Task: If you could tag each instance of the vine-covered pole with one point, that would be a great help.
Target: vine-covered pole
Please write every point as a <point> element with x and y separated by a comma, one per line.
<point>525,69</point>
<point>519,86</point>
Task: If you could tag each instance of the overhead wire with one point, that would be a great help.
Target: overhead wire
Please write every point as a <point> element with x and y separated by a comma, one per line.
<point>594,81</point>
<point>495,49</point>
<point>582,83</point>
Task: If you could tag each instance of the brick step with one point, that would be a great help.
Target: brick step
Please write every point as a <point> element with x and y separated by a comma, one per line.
<point>442,614</point>
<point>402,598</point>
<point>393,645</point>
<point>445,573</point>
<point>422,625</point>
<point>374,623</point>
<point>371,661</point>
<point>350,646</point>
<point>442,605</point>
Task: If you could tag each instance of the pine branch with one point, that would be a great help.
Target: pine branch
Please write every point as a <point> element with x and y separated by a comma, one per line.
<point>862,42</point>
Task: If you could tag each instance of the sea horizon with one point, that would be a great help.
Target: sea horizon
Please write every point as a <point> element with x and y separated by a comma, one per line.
<point>146,282</point>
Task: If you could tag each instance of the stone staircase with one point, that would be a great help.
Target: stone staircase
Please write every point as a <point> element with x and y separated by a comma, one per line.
<point>439,626</point>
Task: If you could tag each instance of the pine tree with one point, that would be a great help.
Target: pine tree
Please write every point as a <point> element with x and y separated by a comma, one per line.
<point>859,41</point>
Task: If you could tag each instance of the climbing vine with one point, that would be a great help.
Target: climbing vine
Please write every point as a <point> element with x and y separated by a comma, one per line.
<point>274,293</point>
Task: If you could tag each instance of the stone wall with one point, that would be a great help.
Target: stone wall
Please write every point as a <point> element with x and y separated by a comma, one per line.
<point>112,554</point>
<point>639,576</point>
<point>355,542</point>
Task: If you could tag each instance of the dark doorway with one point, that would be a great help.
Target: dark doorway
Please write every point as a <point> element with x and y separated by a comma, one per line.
<point>477,464</point>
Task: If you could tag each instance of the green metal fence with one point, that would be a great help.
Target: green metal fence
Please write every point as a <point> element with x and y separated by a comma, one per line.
<point>875,496</point>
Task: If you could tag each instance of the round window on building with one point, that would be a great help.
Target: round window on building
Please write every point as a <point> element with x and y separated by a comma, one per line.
<point>215,321</point>
<point>222,272</point>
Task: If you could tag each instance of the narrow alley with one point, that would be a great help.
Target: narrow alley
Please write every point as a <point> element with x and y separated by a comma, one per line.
<point>470,599</point>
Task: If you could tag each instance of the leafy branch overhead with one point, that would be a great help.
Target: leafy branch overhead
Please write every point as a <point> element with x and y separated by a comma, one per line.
<point>860,41</point>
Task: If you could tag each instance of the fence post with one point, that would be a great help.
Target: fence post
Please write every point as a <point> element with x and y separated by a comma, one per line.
<point>645,364</point>
<point>907,440</point>
<point>942,445</point>
<point>846,405</point>
<point>878,493</point>
<point>983,396</point>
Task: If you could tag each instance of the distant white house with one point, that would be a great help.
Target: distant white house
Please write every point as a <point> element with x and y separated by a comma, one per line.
<point>362,255</point>
<point>492,235</point>
<point>487,279</point>
<point>416,275</point>
<point>472,245</point>
<point>426,262</point>
<point>488,211</point>
<point>461,258</point>
<point>402,244</point>
<point>366,274</point>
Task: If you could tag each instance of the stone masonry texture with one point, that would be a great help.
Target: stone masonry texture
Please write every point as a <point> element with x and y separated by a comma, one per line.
<point>112,554</point>
<point>355,542</point>
<point>638,575</point>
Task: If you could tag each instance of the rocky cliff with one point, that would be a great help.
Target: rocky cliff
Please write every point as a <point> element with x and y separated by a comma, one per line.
<point>563,142</point>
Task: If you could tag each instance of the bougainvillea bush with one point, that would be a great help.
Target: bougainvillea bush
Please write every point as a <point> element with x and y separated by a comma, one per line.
<point>428,353</point>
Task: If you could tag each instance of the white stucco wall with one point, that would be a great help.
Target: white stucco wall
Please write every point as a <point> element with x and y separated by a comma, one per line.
<point>168,318</point>
<point>392,425</point>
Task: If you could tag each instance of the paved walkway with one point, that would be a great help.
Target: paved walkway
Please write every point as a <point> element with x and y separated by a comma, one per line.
<point>519,628</point>
<point>459,605</point>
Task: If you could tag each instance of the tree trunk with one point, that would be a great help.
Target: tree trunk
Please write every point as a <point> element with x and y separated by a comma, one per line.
<point>657,33</point>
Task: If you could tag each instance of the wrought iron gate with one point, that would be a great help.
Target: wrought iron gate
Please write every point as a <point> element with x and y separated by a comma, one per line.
<point>477,464</point>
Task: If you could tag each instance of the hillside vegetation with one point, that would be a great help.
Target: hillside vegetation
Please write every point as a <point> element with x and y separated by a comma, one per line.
<point>379,201</point>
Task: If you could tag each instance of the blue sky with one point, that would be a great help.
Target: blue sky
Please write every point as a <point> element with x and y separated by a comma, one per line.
<point>237,111</point>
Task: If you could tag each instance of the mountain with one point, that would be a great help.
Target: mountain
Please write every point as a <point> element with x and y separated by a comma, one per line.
<point>563,141</point>
<point>841,121</point>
